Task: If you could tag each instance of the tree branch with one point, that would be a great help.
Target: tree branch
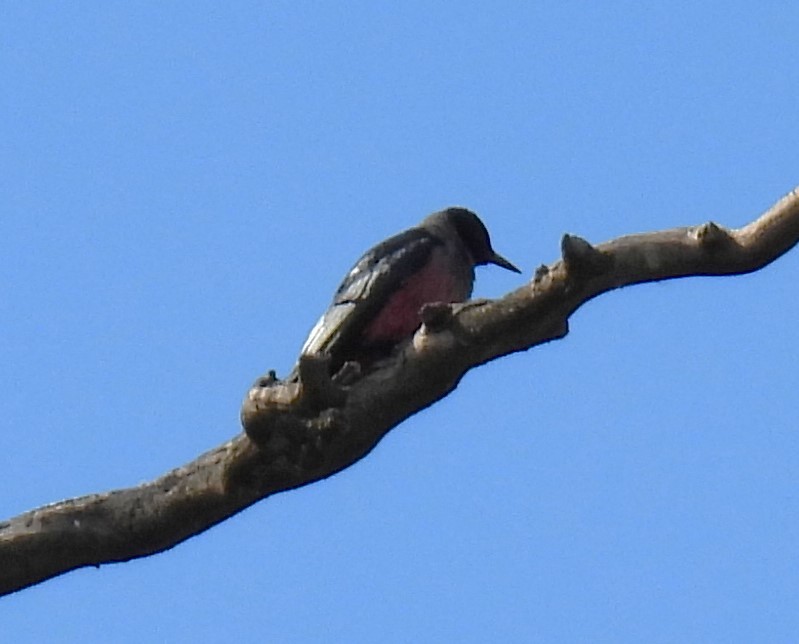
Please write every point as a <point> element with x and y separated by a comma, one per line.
<point>297,434</point>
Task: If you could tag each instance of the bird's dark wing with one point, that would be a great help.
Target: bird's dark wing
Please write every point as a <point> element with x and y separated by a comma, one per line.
<point>366,288</point>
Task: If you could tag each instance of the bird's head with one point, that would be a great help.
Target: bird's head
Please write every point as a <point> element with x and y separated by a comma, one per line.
<point>475,237</point>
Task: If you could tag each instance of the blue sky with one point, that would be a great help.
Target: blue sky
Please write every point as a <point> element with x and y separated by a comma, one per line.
<point>182,188</point>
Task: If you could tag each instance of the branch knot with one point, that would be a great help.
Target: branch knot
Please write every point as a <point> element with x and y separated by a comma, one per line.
<point>582,258</point>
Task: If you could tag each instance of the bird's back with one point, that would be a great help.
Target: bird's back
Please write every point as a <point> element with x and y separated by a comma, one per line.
<point>343,330</point>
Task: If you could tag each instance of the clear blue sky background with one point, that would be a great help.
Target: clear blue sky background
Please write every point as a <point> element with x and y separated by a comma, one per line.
<point>182,186</point>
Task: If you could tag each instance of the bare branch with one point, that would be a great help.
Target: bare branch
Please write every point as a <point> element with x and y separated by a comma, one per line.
<point>297,434</point>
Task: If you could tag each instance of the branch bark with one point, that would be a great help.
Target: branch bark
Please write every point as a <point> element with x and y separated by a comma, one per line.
<point>295,434</point>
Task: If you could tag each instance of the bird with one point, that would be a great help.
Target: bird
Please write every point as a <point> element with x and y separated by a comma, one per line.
<point>378,304</point>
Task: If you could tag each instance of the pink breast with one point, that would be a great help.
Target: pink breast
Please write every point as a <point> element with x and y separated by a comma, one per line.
<point>399,318</point>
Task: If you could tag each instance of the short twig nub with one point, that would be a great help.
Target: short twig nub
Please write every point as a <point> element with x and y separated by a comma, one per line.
<point>540,273</point>
<point>711,234</point>
<point>436,316</point>
<point>318,390</point>
<point>581,257</point>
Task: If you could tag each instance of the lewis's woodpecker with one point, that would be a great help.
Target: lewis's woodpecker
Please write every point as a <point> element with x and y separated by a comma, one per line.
<point>378,304</point>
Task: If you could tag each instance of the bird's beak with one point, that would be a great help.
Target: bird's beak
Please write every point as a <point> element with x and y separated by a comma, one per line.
<point>499,260</point>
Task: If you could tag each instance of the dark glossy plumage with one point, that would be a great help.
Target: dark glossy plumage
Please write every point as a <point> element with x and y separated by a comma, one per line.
<point>377,305</point>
